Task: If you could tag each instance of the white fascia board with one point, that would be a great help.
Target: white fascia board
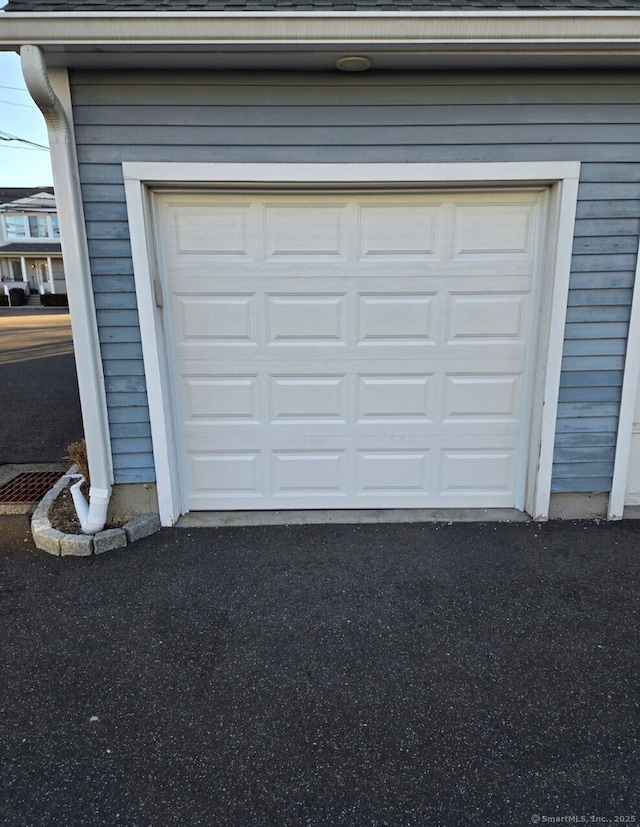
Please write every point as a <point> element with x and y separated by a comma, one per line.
<point>548,30</point>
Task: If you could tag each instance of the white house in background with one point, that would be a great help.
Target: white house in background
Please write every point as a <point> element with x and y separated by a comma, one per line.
<point>30,251</point>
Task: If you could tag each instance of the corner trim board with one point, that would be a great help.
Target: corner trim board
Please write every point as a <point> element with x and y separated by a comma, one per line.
<point>630,383</point>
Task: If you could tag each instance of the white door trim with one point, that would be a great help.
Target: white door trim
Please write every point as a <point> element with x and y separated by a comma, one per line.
<point>561,177</point>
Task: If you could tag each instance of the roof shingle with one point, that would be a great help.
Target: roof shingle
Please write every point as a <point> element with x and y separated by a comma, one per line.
<point>62,6</point>
<point>29,248</point>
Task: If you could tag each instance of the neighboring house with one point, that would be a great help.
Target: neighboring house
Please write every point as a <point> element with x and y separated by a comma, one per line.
<point>30,251</point>
<point>349,255</point>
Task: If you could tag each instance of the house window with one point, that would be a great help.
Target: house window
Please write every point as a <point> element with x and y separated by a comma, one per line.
<point>16,268</point>
<point>38,226</point>
<point>32,226</point>
<point>15,226</point>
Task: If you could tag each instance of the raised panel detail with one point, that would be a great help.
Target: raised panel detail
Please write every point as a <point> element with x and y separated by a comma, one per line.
<point>306,319</point>
<point>219,318</point>
<point>392,472</point>
<point>388,318</point>
<point>225,472</point>
<point>305,473</point>
<point>216,231</point>
<point>308,399</point>
<point>486,318</point>
<point>304,230</point>
<point>476,472</point>
<point>401,231</point>
<point>393,398</point>
<point>223,398</point>
<point>481,397</point>
<point>495,231</point>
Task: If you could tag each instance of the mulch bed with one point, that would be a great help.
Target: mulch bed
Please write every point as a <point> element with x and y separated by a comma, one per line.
<point>63,516</point>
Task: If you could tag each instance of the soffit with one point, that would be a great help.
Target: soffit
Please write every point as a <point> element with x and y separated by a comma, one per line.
<point>312,41</point>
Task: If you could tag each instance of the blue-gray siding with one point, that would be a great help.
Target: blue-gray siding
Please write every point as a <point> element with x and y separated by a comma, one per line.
<point>592,118</point>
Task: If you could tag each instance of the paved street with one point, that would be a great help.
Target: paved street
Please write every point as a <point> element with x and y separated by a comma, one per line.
<point>39,405</point>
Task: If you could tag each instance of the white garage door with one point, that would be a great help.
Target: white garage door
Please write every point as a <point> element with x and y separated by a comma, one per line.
<point>341,350</point>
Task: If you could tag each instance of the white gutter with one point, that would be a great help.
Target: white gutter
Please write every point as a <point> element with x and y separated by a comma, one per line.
<point>81,304</point>
<point>553,31</point>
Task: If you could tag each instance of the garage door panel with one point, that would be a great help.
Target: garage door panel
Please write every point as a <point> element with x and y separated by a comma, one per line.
<point>399,233</point>
<point>480,231</point>
<point>220,232</point>
<point>226,398</point>
<point>475,473</point>
<point>396,472</point>
<point>366,318</point>
<point>301,476</point>
<point>305,231</point>
<point>338,390</point>
<point>489,318</point>
<point>474,398</point>
<point>222,318</point>
<point>347,351</point>
<point>395,398</point>
<point>305,472</point>
<point>306,318</point>
<point>307,398</point>
<point>225,474</point>
<point>385,318</point>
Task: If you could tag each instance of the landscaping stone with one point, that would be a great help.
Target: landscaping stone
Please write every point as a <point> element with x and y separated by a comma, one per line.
<point>142,526</point>
<point>42,509</point>
<point>110,539</point>
<point>76,545</point>
<point>49,540</point>
<point>39,524</point>
<point>57,542</point>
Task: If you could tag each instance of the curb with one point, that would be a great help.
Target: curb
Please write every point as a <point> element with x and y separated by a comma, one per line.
<point>60,544</point>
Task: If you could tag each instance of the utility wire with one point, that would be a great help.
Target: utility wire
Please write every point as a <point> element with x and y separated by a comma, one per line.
<point>22,148</point>
<point>6,136</point>
<point>15,88</point>
<point>11,103</point>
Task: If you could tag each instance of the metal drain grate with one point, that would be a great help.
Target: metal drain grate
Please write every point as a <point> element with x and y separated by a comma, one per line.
<point>28,487</point>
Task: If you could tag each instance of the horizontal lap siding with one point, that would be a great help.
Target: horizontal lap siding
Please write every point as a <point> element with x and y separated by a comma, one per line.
<point>603,266</point>
<point>378,118</point>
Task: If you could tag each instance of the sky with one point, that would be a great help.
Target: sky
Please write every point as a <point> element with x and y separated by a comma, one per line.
<point>20,165</point>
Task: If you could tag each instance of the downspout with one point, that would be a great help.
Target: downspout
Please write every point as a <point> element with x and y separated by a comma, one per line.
<point>84,328</point>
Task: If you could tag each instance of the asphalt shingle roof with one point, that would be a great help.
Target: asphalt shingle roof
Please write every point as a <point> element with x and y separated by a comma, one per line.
<point>17,248</point>
<point>21,6</point>
<point>8,194</point>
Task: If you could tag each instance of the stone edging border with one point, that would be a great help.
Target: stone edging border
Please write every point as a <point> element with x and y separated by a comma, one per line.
<point>60,544</point>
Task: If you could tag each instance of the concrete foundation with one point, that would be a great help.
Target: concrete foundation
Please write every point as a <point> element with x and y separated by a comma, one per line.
<point>386,515</point>
<point>130,500</point>
<point>578,506</point>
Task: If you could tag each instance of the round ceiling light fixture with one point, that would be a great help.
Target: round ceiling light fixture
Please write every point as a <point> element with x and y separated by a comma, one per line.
<point>353,63</point>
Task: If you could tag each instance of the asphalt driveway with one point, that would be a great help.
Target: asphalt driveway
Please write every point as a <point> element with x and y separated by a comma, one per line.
<point>398,675</point>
